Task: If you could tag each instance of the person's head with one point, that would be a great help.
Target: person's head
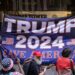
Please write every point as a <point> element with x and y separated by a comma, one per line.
<point>66,52</point>
<point>37,57</point>
<point>7,64</point>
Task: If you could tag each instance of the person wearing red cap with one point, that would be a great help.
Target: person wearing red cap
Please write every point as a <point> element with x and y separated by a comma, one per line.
<point>37,57</point>
<point>34,66</point>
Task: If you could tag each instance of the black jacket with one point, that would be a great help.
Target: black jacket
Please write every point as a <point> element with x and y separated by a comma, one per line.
<point>34,68</point>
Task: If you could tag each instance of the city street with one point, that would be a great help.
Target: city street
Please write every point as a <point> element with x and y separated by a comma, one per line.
<point>50,71</point>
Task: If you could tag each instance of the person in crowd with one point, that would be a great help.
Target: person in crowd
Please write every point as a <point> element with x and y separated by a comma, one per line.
<point>26,65</point>
<point>64,64</point>
<point>34,66</point>
<point>7,67</point>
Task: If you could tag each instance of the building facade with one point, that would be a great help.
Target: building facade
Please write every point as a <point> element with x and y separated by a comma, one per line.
<point>35,5</point>
<point>34,8</point>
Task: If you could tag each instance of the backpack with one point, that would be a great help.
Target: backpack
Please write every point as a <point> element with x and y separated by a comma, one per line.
<point>26,66</point>
<point>72,68</point>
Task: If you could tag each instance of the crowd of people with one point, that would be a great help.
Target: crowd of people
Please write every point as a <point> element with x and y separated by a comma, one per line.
<point>32,66</point>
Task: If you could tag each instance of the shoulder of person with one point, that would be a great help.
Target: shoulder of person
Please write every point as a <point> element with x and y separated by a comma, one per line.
<point>33,62</point>
<point>58,59</point>
<point>3,72</point>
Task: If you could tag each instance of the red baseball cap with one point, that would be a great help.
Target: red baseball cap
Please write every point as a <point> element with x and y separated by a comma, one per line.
<point>37,53</point>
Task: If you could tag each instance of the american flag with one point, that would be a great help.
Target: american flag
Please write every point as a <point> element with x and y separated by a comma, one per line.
<point>71,42</point>
<point>8,41</point>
